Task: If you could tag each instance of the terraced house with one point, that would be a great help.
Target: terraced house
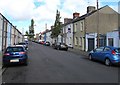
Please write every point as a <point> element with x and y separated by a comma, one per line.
<point>87,27</point>
<point>67,30</point>
<point>105,20</point>
<point>9,34</point>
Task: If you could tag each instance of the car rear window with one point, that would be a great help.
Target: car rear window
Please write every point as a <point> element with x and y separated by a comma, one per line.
<point>21,43</point>
<point>15,49</point>
<point>117,50</point>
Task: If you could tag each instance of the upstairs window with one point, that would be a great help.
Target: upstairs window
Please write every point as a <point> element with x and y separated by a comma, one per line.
<point>81,26</point>
<point>75,30</point>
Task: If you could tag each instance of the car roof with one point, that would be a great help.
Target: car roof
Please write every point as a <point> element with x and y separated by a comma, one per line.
<point>14,46</point>
<point>19,45</point>
<point>112,47</point>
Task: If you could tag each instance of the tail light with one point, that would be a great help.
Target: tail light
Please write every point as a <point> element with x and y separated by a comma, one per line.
<point>6,54</point>
<point>22,53</point>
<point>113,52</point>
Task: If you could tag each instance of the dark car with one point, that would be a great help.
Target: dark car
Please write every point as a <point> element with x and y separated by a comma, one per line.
<point>15,55</point>
<point>47,43</point>
<point>26,41</point>
<point>107,54</point>
<point>60,46</point>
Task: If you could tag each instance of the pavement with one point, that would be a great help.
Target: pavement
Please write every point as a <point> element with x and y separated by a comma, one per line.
<point>0,63</point>
<point>78,51</point>
<point>1,68</point>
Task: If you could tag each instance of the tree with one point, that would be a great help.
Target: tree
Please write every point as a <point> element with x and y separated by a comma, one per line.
<point>57,26</point>
<point>31,29</point>
<point>26,33</point>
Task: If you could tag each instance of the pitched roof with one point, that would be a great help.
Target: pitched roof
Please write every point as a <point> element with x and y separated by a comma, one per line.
<point>87,14</point>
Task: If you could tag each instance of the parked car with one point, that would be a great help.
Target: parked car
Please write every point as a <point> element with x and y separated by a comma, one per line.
<point>26,41</point>
<point>24,44</point>
<point>15,55</point>
<point>42,42</point>
<point>107,54</point>
<point>60,46</point>
<point>47,43</point>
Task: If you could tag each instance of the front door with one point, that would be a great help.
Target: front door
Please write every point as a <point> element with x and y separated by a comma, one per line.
<point>90,44</point>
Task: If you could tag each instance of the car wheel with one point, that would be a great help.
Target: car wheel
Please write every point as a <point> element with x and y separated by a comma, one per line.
<point>107,62</point>
<point>26,63</point>
<point>4,65</point>
<point>90,57</point>
<point>58,48</point>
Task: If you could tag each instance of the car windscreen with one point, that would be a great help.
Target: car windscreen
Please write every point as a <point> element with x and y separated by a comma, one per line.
<point>117,50</point>
<point>15,49</point>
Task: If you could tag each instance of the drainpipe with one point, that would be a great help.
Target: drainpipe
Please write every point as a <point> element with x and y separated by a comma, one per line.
<point>2,36</point>
<point>85,23</point>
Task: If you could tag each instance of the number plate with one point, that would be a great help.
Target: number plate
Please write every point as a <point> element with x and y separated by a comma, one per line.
<point>14,60</point>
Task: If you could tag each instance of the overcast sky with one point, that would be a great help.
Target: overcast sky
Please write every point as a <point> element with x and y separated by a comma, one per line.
<point>20,12</point>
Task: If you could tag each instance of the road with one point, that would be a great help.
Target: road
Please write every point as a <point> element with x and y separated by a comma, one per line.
<point>47,65</point>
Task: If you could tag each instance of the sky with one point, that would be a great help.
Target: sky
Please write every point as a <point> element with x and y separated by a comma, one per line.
<point>20,12</point>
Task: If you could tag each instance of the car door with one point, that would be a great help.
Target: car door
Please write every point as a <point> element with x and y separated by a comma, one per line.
<point>97,53</point>
<point>105,53</point>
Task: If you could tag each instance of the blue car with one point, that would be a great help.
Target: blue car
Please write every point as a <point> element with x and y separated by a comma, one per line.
<point>107,54</point>
<point>15,55</point>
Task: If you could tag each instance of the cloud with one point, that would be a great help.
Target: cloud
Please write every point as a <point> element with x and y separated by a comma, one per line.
<point>45,11</point>
<point>17,9</point>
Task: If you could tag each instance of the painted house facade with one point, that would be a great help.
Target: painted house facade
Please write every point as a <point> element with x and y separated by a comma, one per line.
<point>1,30</point>
<point>102,21</point>
<point>79,33</point>
<point>68,33</point>
<point>8,33</point>
<point>48,36</point>
<point>87,27</point>
<point>113,38</point>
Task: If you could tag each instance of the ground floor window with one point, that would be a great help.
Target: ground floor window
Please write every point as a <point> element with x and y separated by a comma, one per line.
<point>80,41</point>
<point>76,41</point>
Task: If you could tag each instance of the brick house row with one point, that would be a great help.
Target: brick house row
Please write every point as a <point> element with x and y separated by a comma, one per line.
<point>9,34</point>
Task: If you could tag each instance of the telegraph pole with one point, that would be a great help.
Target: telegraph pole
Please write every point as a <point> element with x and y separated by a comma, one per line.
<point>23,34</point>
<point>98,36</point>
<point>45,31</point>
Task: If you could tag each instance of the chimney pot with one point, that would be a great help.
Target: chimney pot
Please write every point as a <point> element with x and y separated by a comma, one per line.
<point>90,9</point>
<point>76,15</point>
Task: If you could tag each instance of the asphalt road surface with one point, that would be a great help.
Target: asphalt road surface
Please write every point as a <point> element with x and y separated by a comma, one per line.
<point>47,65</point>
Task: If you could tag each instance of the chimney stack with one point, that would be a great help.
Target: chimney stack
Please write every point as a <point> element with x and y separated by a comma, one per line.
<point>76,15</point>
<point>90,9</point>
<point>66,20</point>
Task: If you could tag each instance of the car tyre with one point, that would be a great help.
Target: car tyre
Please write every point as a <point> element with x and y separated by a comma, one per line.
<point>90,57</point>
<point>66,49</point>
<point>26,63</point>
<point>107,62</point>
<point>4,65</point>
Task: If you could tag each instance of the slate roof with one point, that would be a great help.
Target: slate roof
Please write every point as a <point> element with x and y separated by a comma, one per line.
<point>83,16</point>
